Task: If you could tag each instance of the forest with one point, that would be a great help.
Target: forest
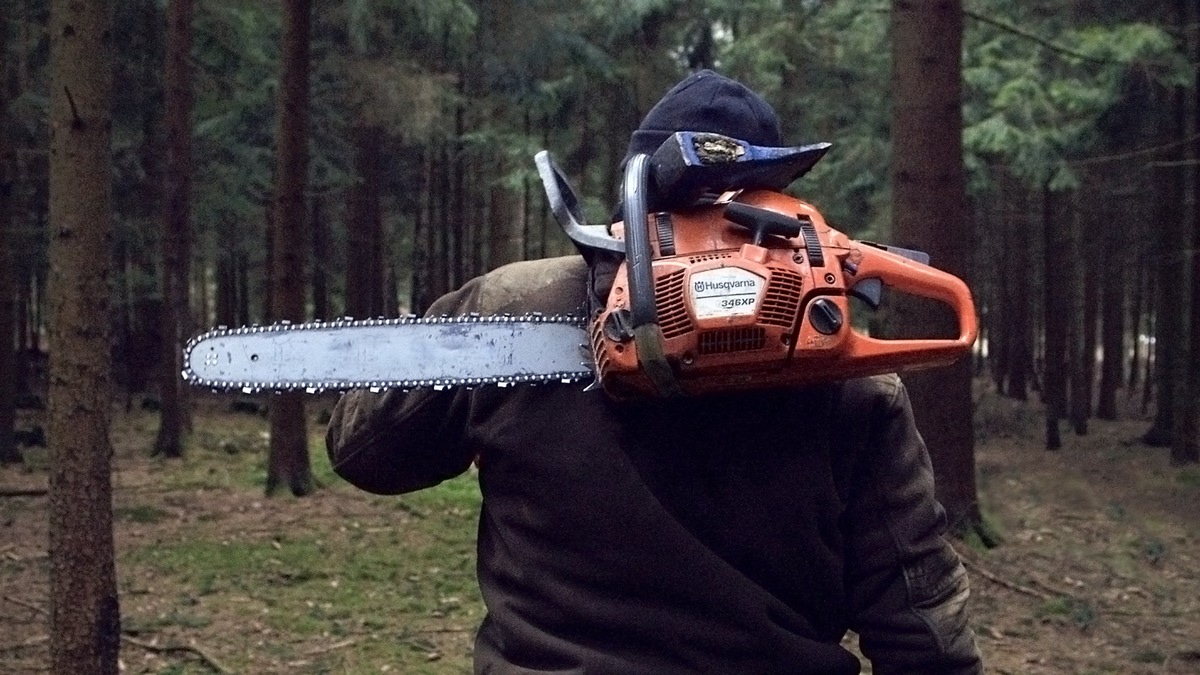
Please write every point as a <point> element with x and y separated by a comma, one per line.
<point>168,166</point>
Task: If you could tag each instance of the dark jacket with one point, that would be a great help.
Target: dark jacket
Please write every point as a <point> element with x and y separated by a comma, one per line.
<point>722,534</point>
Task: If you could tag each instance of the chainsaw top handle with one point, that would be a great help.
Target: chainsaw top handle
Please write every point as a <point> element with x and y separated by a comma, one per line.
<point>639,258</point>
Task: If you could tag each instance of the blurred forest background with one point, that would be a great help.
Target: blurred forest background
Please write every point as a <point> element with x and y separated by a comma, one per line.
<point>287,161</point>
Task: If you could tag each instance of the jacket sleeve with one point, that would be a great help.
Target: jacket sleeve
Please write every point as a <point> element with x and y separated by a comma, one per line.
<point>907,587</point>
<point>394,441</point>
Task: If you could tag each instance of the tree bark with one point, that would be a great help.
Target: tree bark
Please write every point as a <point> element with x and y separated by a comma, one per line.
<point>1082,322</point>
<point>226,290</point>
<point>506,228</point>
<point>422,249</point>
<point>1186,448</point>
<point>9,454</point>
<point>1170,347</point>
<point>84,609</point>
<point>929,212</point>
<point>320,249</point>
<point>364,249</point>
<point>1018,318</point>
<point>287,456</point>
<point>1056,282</point>
<point>1138,325</point>
<point>1112,322</point>
<point>242,274</point>
<point>176,246</point>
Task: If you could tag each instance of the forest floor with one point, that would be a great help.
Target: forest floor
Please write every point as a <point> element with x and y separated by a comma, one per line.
<point>1099,571</point>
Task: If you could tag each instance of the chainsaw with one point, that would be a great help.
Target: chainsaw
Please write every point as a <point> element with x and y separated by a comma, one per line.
<point>724,283</point>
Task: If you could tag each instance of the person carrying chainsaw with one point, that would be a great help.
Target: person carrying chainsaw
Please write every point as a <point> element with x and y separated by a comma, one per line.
<point>725,533</point>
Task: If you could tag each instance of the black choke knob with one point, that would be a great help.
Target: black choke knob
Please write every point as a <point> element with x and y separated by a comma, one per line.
<point>825,316</point>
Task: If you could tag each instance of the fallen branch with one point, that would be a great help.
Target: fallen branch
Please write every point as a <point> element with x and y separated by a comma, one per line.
<point>27,605</point>
<point>13,557</point>
<point>1010,585</point>
<point>37,639</point>
<point>166,649</point>
<point>23,492</point>
<point>444,629</point>
<point>1165,614</point>
<point>159,649</point>
<point>1050,587</point>
<point>329,648</point>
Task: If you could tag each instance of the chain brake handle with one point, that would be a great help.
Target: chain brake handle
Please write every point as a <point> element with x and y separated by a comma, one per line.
<point>914,278</point>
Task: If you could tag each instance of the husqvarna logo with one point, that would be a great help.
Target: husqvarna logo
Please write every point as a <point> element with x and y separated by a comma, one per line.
<point>702,287</point>
<point>725,292</point>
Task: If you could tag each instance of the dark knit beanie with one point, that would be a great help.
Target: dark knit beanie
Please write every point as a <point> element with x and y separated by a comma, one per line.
<point>707,101</point>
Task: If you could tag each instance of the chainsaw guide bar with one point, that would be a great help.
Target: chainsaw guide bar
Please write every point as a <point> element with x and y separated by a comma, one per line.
<point>402,353</point>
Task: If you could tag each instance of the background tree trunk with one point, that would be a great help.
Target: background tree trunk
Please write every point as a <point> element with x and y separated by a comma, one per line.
<point>85,619</point>
<point>1056,283</point>
<point>423,287</point>
<point>1186,449</point>
<point>8,358</point>
<point>287,457</point>
<point>364,246</point>
<point>506,227</point>
<point>1018,320</point>
<point>1081,344</point>
<point>1173,241</point>
<point>320,249</point>
<point>1112,325</point>
<point>177,228</point>
<point>929,212</point>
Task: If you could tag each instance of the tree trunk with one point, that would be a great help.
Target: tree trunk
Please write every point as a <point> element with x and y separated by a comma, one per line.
<point>1138,324</point>
<point>1170,327</point>
<point>1021,350</point>
<point>364,249</point>
<point>461,256</point>
<point>242,274</point>
<point>226,290</point>
<point>176,246</point>
<point>9,454</point>
<point>929,211</point>
<point>505,229</point>
<point>1001,306</point>
<point>1082,331</point>
<point>422,249</point>
<point>1112,313</point>
<point>203,310</point>
<point>320,249</point>
<point>1186,448</point>
<point>287,456</point>
<point>1057,283</point>
<point>85,624</point>
<point>443,270</point>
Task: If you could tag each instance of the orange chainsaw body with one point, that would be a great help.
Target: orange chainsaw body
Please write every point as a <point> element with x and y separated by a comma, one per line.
<point>733,314</point>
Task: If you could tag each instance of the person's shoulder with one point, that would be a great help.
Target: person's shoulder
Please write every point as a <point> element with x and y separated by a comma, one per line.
<point>556,285</point>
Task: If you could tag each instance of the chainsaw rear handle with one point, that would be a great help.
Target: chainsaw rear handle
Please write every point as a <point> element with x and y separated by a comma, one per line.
<point>913,278</point>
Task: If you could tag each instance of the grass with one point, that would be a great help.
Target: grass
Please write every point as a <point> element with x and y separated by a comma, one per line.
<point>142,513</point>
<point>338,582</point>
